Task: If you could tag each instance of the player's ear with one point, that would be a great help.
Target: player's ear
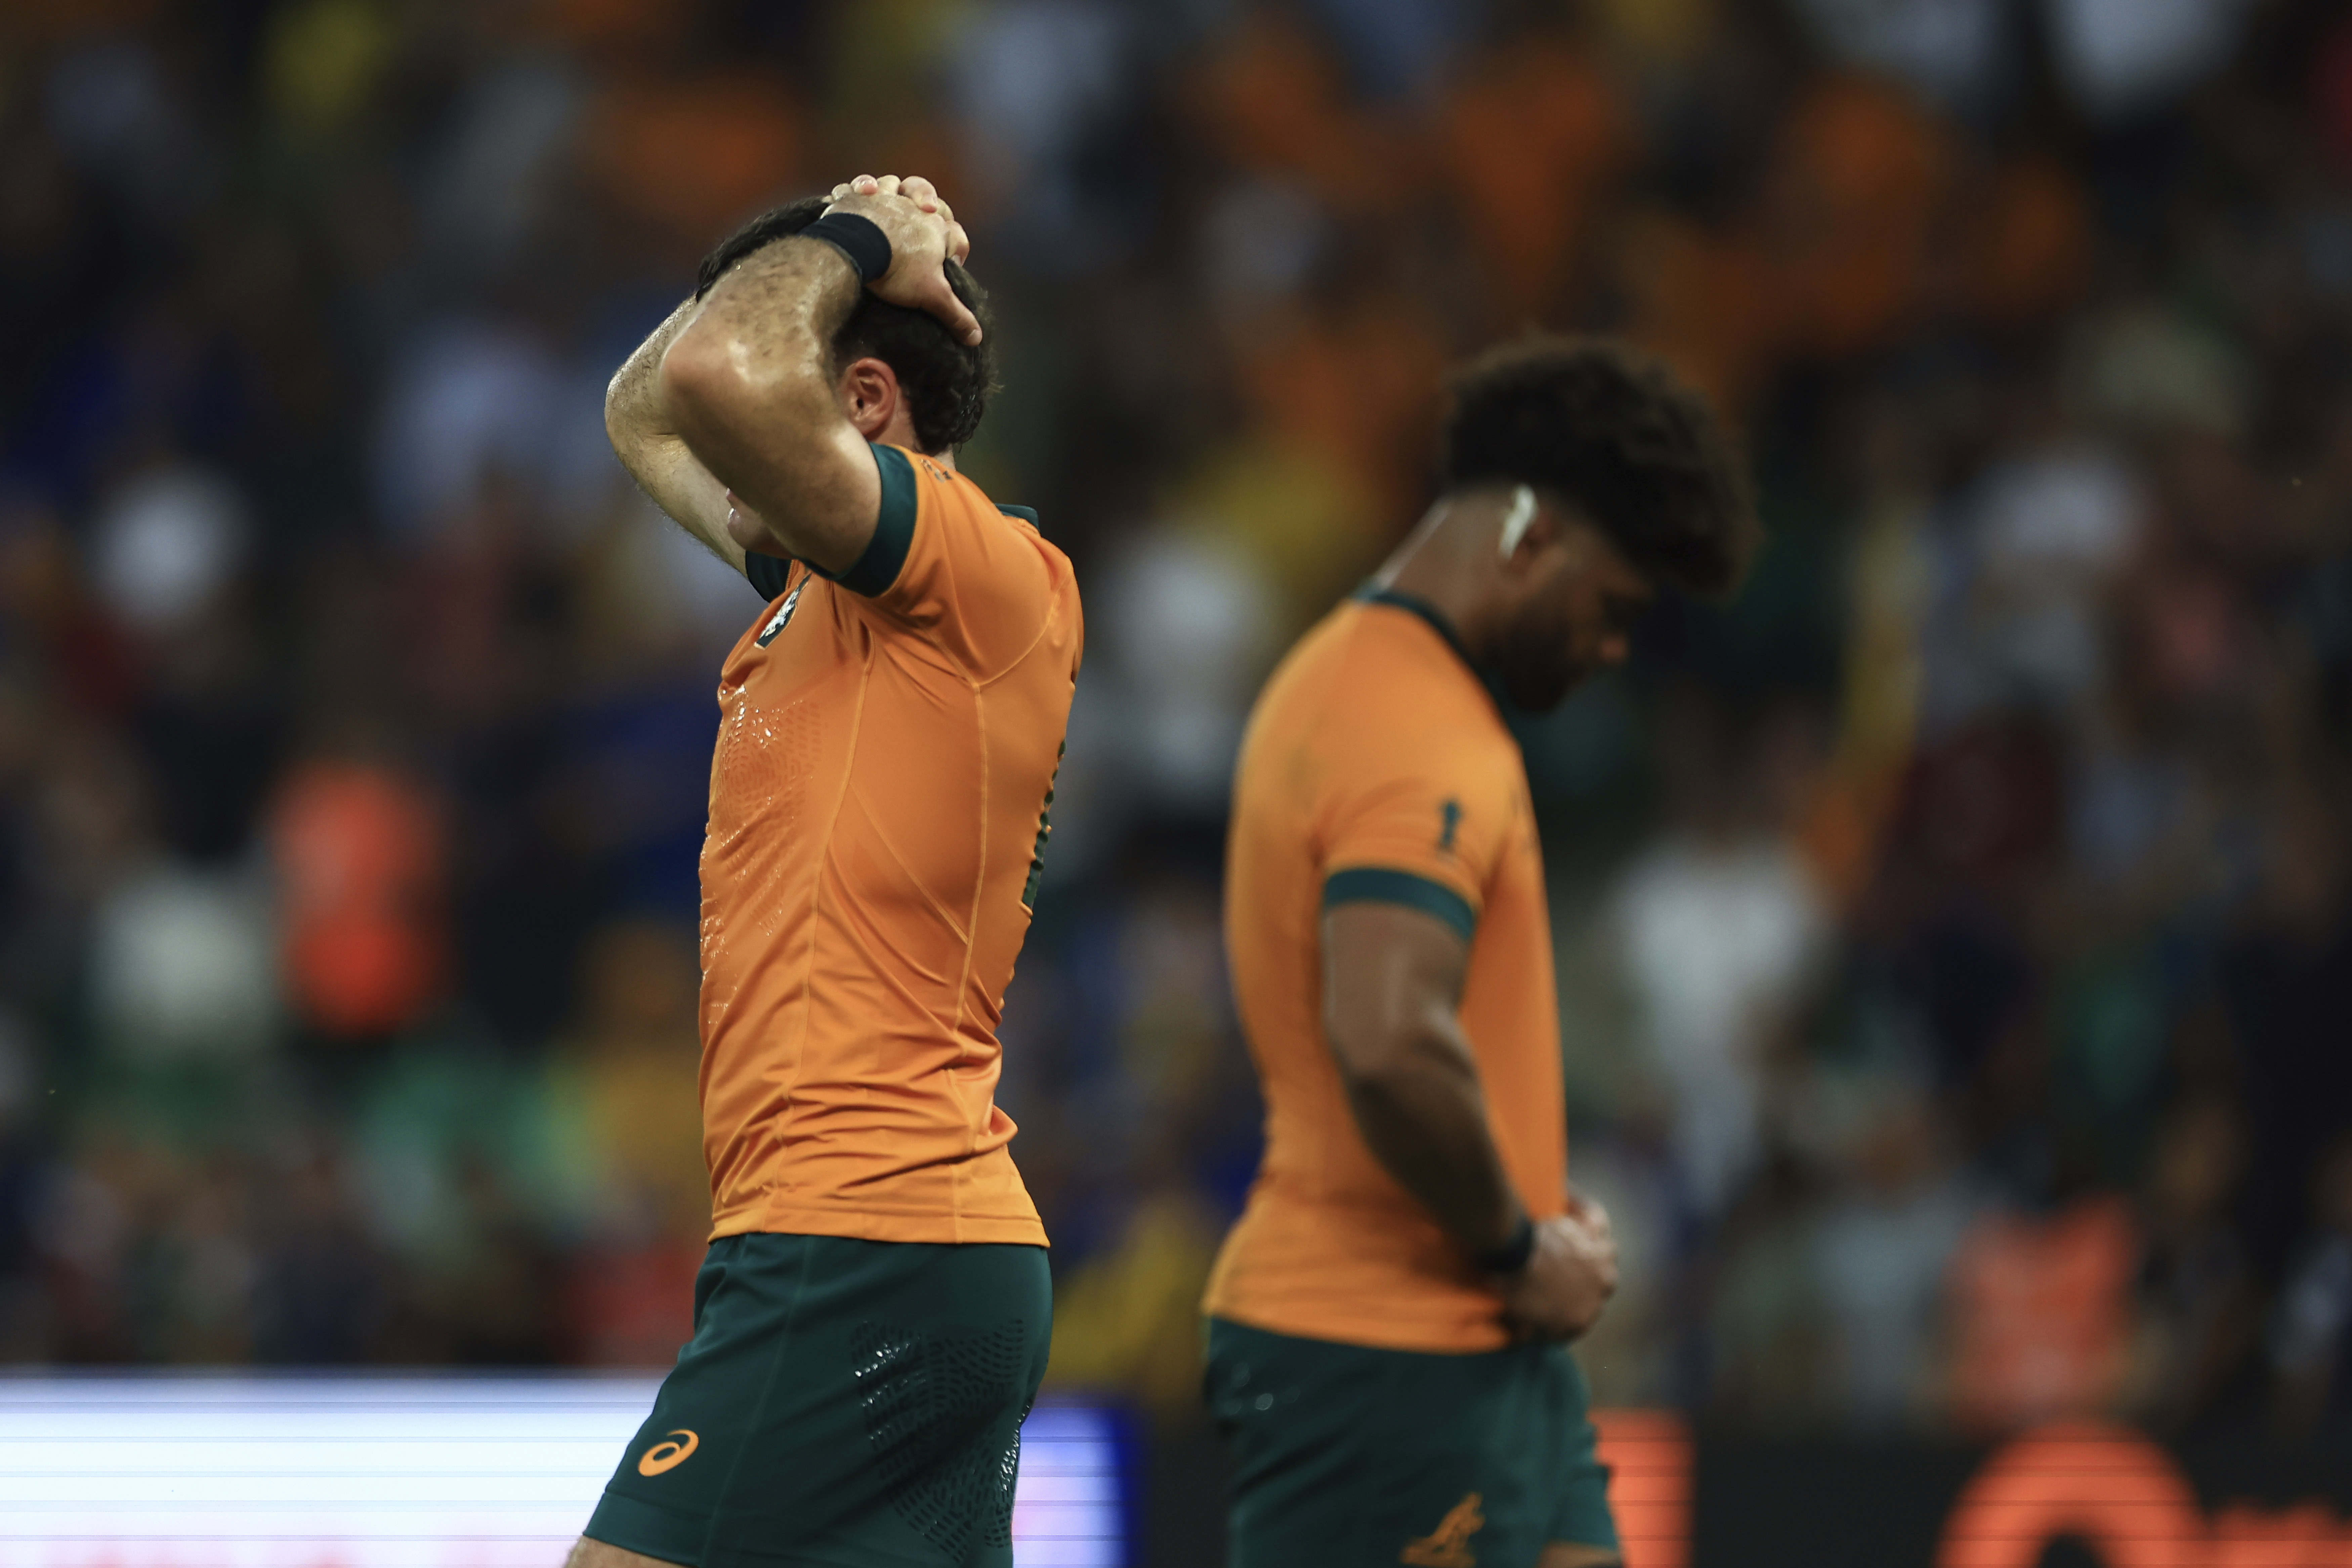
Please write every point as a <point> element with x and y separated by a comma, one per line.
<point>869,396</point>
<point>1528,528</point>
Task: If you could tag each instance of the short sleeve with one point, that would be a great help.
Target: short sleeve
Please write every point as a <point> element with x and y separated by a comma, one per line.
<point>948,565</point>
<point>1429,836</point>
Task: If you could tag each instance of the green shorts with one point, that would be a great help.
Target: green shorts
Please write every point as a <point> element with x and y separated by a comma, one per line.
<point>1350,1457</point>
<point>851,1403</point>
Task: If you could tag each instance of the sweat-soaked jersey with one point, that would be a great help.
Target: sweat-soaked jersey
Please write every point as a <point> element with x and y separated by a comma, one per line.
<point>887,744</point>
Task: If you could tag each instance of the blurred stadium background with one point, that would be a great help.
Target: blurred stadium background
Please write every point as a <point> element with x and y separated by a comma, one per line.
<point>1955,933</point>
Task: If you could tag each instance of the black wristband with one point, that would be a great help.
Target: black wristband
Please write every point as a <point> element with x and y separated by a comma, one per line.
<point>1513,1254</point>
<point>860,239</point>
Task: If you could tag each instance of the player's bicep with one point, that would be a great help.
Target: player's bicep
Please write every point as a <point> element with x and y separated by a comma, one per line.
<point>1395,950</point>
<point>826,510</point>
<point>775,434</point>
<point>876,567</point>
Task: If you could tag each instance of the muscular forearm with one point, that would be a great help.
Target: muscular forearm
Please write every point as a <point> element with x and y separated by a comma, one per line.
<point>1424,1115</point>
<point>645,438</point>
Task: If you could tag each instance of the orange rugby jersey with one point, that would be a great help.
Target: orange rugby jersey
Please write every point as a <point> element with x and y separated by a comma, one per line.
<point>887,744</point>
<point>1376,767</point>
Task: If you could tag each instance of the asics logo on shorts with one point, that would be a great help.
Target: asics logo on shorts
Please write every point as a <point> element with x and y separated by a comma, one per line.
<point>668,1454</point>
<point>1448,1546</point>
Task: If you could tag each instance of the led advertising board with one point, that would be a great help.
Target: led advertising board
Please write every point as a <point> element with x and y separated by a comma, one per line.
<point>428,1472</point>
<point>500,1472</point>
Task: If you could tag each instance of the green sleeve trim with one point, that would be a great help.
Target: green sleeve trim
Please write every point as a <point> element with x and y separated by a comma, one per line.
<point>1380,885</point>
<point>894,530</point>
<point>767,574</point>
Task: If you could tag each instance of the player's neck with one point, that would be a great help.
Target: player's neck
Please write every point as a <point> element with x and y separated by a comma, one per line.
<point>1448,564</point>
<point>900,432</point>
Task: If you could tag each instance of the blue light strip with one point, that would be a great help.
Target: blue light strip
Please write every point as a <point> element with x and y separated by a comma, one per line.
<point>391,1472</point>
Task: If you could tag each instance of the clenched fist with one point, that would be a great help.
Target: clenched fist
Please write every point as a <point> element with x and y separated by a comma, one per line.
<point>1569,1277</point>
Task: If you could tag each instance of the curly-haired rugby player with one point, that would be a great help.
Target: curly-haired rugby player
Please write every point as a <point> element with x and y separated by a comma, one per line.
<point>1388,1320</point>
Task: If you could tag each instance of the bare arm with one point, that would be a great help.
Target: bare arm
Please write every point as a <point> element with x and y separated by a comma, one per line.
<point>647,440</point>
<point>1391,987</point>
<point>751,381</point>
<point>1391,979</point>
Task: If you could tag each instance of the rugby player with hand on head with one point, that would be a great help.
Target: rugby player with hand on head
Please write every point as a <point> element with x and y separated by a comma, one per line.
<point>872,1319</point>
<point>1388,1318</point>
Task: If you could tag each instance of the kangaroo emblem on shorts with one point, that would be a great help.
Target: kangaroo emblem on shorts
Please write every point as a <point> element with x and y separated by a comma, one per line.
<point>1447,1546</point>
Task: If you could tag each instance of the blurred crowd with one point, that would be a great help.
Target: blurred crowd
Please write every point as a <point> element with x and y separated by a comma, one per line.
<point>1955,931</point>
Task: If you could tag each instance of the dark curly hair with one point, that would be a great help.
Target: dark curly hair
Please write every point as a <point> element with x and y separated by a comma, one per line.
<point>1619,434</point>
<point>946,382</point>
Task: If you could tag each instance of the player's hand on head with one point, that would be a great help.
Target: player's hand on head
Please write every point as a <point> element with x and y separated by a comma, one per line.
<point>914,188</point>
<point>920,247</point>
<point>1569,1277</point>
<point>925,194</point>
